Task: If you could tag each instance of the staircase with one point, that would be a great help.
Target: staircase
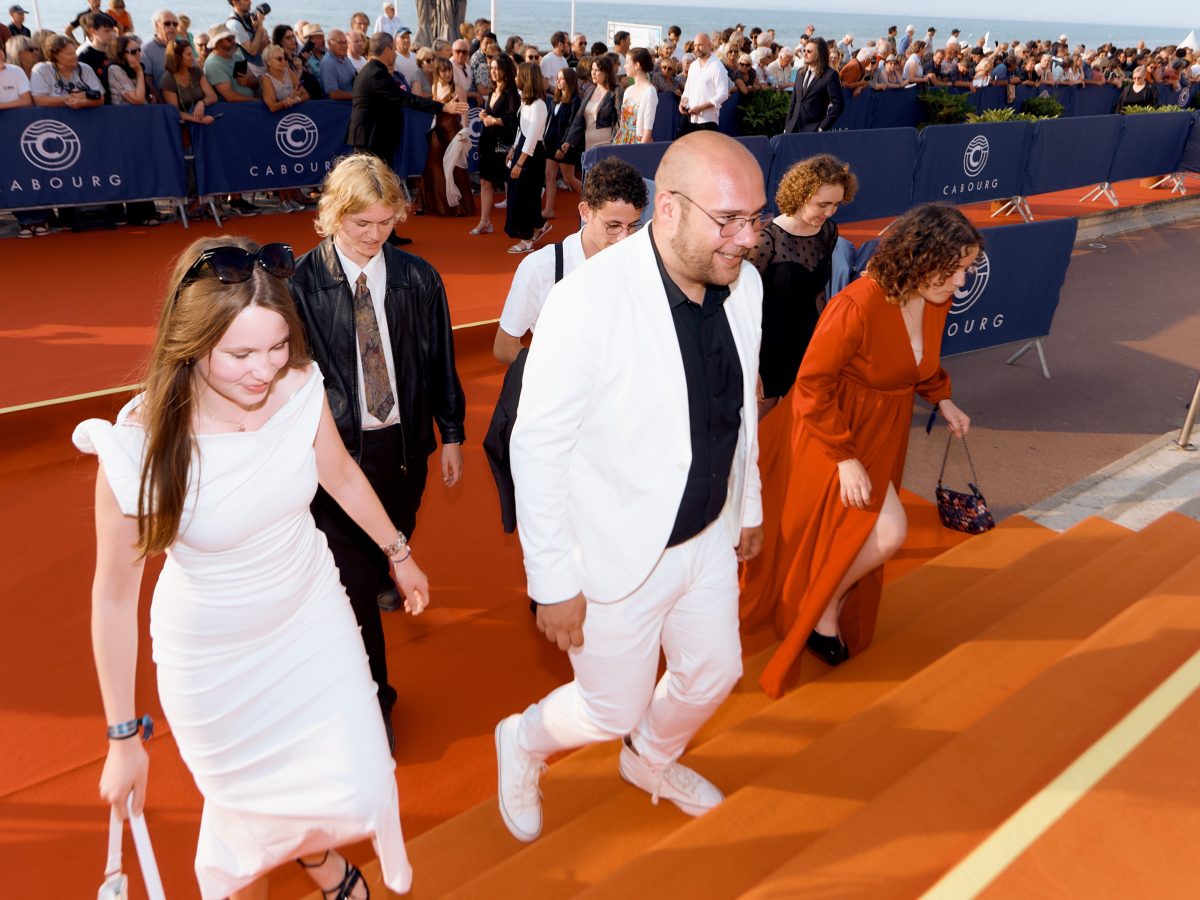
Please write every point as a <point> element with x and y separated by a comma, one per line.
<point>995,666</point>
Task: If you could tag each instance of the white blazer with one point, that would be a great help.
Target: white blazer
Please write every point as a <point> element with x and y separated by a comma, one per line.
<point>602,444</point>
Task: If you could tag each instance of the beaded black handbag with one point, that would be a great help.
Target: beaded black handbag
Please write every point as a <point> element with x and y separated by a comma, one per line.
<point>959,510</point>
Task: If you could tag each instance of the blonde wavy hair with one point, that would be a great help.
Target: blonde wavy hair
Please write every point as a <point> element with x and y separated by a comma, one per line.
<point>354,183</point>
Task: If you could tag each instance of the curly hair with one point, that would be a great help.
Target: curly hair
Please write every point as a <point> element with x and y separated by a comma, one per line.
<point>614,180</point>
<point>923,246</point>
<point>808,176</point>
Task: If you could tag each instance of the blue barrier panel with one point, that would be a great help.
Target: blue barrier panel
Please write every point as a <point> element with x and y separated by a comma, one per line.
<point>251,148</point>
<point>409,161</point>
<point>994,96</point>
<point>1190,161</point>
<point>896,109</point>
<point>1096,100</point>
<point>1151,144</point>
<point>882,159</point>
<point>1014,290</point>
<point>65,157</point>
<point>968,163</point>
<point>666,118</point>
<point>1055,160</point>
<point>858,113</point>
<point>646,157</point>
<point>727,119</point>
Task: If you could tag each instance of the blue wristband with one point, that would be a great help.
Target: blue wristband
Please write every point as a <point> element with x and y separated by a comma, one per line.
<point>125,730</point>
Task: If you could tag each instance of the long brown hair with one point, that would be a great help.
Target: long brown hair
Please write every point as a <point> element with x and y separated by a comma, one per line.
<point>194,318</point>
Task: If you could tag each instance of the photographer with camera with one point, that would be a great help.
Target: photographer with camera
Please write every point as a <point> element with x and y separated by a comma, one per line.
<point>62,81</point>
<point>246,24</point>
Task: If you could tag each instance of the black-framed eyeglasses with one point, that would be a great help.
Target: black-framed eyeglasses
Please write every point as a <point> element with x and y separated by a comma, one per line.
<point>612,229</point>
<point>134,51</point>
<point>732,225</point>
<point>234,265</point>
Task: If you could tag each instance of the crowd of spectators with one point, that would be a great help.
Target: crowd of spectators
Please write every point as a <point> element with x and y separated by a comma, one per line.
<point>594,93</point>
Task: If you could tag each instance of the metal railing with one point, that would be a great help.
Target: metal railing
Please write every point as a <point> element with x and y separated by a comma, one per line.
<point>1189,421</point>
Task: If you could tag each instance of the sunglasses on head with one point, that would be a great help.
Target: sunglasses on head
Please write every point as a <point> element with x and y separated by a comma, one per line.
<point>234,265</point>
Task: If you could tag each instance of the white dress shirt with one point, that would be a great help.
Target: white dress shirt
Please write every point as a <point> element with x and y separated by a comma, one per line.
<point>376,272</point>
<point>707,82</point>
<point>532,282</point>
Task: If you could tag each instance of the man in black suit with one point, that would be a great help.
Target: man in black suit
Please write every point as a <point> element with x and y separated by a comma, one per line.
<point>817,98</point>
<point>377,106</point>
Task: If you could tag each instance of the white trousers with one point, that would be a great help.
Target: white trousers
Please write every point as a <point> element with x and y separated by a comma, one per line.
<point>688,606</point>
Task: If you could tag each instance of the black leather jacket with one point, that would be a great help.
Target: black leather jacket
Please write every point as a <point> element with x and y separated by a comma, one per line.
<point>418,322</point>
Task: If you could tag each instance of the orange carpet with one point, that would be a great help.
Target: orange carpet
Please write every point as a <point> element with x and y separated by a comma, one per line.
<point>89,333</point>
<point>472,658</point>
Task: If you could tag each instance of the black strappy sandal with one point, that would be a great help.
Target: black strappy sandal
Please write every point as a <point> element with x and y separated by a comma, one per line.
<point>350,879</point>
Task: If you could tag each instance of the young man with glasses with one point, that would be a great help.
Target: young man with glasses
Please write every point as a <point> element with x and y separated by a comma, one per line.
<point>634,457</point>
<point>614,198</point>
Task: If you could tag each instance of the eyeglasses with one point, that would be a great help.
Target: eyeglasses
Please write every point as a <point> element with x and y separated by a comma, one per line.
<point>533,57</point>
<point>456,52</point>
<point>170,24</point>
<point>731,225</point>
<point>134,50</point>
<point>612,229</point>
<point>235,265</point>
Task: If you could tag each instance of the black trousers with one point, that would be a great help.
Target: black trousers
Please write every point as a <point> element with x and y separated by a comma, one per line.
<point>361,564</point>
<point>687,126</point>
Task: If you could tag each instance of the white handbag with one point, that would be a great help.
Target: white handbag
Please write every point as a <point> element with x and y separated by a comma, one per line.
<point>116,882</point>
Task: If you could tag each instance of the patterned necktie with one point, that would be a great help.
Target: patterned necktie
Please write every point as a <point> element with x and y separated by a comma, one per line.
<point>376,386</point>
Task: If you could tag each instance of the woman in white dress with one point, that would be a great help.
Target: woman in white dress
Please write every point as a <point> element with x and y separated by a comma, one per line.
<point>261,669</point>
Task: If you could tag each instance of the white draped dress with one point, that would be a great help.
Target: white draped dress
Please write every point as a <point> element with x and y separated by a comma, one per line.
<point>261,669</point>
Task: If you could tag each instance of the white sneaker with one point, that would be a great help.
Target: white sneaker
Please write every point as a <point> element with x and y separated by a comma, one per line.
<point>517,789</point>
<point>684,787</point>
<point>503,204</point>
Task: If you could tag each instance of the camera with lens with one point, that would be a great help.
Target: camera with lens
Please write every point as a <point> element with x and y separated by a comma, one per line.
<point>263,9</point>
<point>92,95</point>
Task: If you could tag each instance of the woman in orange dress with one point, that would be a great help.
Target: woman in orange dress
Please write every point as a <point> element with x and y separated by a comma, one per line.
<point>877,344</point>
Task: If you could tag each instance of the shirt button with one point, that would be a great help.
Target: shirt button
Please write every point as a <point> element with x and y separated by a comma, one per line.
<point>683,467</point>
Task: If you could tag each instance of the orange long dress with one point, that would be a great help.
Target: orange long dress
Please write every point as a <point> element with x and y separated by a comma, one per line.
<point>853,399</point>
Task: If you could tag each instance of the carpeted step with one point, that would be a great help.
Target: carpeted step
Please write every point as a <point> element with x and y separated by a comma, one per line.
<point>621,828</point>
<point>903,840</point>
<point>457,850</point>
<point>815,731</point>
<point>1153,855</point>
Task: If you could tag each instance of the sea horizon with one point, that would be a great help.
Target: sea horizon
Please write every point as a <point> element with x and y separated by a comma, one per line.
<point>536,20</point>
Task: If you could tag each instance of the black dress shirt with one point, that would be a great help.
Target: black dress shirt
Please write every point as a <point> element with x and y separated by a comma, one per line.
<point>714,392</point>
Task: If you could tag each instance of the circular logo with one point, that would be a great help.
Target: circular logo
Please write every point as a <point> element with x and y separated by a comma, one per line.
<point>297,135</point>
<point>973,287</point>
<point>50,145</point>
<point>975,159</point>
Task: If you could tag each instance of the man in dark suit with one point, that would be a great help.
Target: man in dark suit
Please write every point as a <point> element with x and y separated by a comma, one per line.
<point>377,106</point>
<point>817,98</point>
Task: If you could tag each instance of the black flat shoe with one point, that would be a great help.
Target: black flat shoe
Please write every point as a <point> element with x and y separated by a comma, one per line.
<point>828,648</point>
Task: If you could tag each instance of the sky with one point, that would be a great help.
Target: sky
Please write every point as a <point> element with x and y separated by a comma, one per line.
<point>1184,15</point>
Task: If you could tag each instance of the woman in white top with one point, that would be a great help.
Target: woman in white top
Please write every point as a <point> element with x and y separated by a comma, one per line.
<point>62,81</point>
<point>639,105</point>
<point>281,91</point>
<point>983,74</point>
<point>527,163</point>
<point>126,77</point>
<point>261,669</point>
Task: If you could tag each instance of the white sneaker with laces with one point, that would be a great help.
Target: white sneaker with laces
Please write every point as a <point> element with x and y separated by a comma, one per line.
<point>517,789</point>
<point>686,788</point>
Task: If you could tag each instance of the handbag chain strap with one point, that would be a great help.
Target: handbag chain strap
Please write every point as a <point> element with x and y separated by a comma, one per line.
<point>946,456</point>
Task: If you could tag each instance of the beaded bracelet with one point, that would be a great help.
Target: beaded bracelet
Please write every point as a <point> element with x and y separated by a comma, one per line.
<point>125,730</point>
